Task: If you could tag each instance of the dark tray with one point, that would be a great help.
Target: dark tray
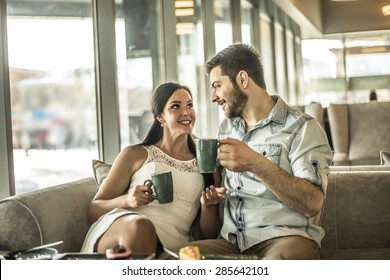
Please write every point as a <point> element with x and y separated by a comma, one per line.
<point>99,256</point>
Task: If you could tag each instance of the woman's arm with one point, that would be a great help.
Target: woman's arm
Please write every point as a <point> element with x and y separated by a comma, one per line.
<point>210,222</point>
<point>111,193</point>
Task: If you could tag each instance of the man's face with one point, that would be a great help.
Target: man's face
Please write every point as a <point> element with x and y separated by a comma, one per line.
<point>226,94</point>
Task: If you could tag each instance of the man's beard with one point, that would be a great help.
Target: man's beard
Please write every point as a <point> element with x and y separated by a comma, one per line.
<point>237,103</point>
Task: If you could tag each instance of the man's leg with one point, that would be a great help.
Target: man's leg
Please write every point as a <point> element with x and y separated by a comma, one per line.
<point>286,248</point>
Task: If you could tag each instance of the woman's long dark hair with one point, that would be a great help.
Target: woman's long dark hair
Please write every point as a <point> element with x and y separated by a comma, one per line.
<point>160,98</point>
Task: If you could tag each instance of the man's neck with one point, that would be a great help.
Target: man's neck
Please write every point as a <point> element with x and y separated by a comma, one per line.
<point>257,110</point>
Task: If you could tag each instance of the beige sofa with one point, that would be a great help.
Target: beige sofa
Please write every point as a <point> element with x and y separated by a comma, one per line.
<point>47,215</point>
<point>356,132</point>
<point>356,216</point>
<point>359,132</point>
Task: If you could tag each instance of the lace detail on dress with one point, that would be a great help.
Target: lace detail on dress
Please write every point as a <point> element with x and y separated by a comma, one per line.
<point>157,155</point>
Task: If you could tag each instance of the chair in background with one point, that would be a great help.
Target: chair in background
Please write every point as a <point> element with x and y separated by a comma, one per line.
<point>359,132</point>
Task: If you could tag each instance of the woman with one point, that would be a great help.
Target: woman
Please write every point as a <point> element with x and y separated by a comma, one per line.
<point>125,211</point>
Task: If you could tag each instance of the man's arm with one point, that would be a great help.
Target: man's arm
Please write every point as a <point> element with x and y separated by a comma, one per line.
<point>296,193</point>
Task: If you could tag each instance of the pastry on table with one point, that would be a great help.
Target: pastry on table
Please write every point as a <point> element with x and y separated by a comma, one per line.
<point>189,253</point>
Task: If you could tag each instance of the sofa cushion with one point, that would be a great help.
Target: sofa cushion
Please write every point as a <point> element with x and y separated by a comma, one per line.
<point>357,254</point>
<point>47,215</point>
<point>356,214</point>
<point>385,157</point>
<point>100,170</point>
<point>369,124</point>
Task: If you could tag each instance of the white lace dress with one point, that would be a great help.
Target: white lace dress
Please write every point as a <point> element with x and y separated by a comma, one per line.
<point>172,220</point>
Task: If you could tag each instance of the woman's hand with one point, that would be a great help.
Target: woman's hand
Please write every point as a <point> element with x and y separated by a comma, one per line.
<point>139,195</point>
<point>210,222</point>
<point>212,196</point>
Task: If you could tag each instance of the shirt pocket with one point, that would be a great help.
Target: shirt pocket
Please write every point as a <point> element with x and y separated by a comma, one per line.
<point>272,152</point>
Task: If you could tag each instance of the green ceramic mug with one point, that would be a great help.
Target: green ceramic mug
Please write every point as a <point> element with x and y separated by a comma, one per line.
<point>163,186</point>
<point>206,154</point>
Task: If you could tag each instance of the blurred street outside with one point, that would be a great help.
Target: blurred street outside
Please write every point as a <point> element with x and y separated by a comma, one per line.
<point>46,168</point>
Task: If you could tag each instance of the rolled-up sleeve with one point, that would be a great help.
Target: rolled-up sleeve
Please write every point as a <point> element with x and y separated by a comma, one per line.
<point>310,154</point>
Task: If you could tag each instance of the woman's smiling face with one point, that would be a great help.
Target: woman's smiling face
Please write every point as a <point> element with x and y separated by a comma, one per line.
<point>179,114</point>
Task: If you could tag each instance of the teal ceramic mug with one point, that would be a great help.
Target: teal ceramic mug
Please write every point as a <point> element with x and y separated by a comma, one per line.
<point>163,186</point>
<point>206,154</point>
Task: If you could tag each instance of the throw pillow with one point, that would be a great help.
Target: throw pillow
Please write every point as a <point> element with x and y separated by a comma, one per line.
<point>100,170</point>
<point>385,157</point>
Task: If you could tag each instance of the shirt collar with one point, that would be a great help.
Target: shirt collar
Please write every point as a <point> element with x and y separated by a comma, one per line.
<point>278,114</point>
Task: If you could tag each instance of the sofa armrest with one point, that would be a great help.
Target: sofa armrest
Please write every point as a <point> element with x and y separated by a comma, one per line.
<point>362,168</point>
<point>47,215</point>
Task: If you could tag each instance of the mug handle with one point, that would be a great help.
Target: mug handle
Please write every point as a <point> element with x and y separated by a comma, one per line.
<point>150,181</point>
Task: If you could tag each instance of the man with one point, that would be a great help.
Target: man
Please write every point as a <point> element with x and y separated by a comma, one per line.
<point>275,165</point>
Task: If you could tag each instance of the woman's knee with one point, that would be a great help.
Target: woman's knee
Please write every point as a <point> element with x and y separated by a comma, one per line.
<point>132,231</point>
<point>139,226</point>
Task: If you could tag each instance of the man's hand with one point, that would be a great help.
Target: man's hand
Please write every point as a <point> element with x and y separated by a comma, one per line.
<point>236,155</point>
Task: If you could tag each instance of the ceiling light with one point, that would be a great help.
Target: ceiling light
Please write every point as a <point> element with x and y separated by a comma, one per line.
<point>184,12</point>
<point>386,10</point>
<point>184,4</point>
<point>184,28</point>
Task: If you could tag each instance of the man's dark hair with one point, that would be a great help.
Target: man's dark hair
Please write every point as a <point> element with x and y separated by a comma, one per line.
<point>238,57</point>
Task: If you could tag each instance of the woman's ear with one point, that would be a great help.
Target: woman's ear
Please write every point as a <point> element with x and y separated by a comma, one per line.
<point>160,120</point>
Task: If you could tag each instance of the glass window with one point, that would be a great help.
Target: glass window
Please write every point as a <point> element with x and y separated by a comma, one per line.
<point>223,29</point>
<point>368,56</point>
<point>223,24</point>
<point>346,70</point>
<point>246,22</point>
<point>291,68</point>
<point>320,59</point>
<point>52,82</point>
<point>189,32</point>
<point>267,53</point>
<point>138,65</point>
<point>323,71</point>
<point>280,63</point>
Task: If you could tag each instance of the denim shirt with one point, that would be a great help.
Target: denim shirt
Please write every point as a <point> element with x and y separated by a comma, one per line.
<point>295,142</point>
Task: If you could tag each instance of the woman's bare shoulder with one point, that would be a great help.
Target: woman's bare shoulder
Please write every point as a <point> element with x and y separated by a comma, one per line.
<point>135,153</point>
